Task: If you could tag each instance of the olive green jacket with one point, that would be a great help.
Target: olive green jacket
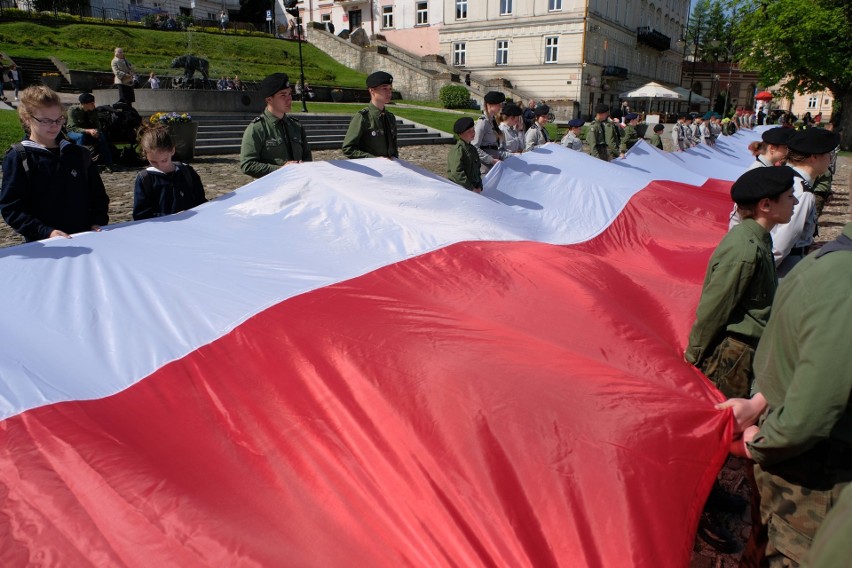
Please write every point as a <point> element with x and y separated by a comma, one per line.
<point>371,134</point>
<point>629,137</point>
<point>80,119</point>
<point>270,142</point>
<point>463,165</point>
<point>738,289</point>
<point>603,139</point>
<point>802,366</point>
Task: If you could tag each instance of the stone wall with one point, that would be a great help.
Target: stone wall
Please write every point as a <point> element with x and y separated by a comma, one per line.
<point>149,101</point>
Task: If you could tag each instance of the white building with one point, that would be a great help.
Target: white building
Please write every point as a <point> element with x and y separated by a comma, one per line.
<point>582,51</point>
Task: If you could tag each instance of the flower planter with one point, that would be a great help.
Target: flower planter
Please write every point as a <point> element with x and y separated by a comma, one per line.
<point>184,135</point>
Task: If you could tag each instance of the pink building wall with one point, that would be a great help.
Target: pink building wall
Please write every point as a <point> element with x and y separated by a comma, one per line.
<point>420,40</point>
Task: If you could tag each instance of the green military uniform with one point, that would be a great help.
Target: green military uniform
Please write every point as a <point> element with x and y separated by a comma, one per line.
<point>734,307</point>
<point>463,165</point>
<point>803,451</point>
<point>270,142</point>
<point>628,138</point>
<point>371,134</point>
<point>596,137</point>
<point>822,191</point>
<point>80,119</point>
<point>832,546</point>
<point>656,141</point>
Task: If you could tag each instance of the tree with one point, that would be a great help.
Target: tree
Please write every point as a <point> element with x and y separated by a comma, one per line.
<point>803,45</point>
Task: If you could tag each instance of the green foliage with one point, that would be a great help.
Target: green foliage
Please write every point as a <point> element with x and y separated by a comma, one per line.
<point>88,47</point>
<point>10,129</point>
<point>804,45</point>
<point>455,96</point>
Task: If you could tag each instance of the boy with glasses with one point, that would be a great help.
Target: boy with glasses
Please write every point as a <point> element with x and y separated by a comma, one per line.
<point>50,186</point>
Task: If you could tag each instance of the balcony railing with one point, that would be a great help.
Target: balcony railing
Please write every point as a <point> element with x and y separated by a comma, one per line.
<point>653,38</point>
<point>613,71</point>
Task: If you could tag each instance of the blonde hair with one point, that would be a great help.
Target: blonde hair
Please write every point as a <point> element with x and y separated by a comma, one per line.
<point>33,98</point>
<point>153,137</point>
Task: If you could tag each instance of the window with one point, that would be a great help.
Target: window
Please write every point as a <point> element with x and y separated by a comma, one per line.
<point>505,7</point>
<point>502,52</point>
<point>551,49</point>
<point>459,54</point>
<point>812,102</point>
<point>422,13</point>
<point>554,5</point>
<point>325,17</point>
<point>461,9</point>
<point>387,16</point>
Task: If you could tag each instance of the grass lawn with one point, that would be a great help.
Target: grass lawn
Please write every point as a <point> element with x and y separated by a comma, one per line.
<point>89,47</point>
<point>436,119</point>
<point>10,129</point>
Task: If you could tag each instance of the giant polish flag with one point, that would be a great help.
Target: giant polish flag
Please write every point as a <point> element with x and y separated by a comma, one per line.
<point>358,363</point>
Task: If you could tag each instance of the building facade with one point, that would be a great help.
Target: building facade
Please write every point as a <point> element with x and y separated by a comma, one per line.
<point>722,83</point>
<point>581,52</point>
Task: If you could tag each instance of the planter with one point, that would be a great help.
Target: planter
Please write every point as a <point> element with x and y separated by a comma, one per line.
<point>51,81</point>
<point>336,96</point>
<point>183,135</point>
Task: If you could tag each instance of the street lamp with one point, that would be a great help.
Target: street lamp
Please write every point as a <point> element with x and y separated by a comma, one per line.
<point>292,8</point>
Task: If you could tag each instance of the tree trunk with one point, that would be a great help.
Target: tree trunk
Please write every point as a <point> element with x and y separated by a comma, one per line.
<point>843,120</point>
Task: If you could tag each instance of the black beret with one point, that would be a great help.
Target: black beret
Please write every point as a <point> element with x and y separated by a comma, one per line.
<point>659,127</point>
<point>274,83</point>
<point>463,124</point>
<point>814,141</point>
<point>615,113</point>
<point>86,98</point>
<point>630,116</point>
<point>541,110</point>
<point>494,97</point>
<point>778,135</point>
<point>576,123</point>
<point>758,183</point>
<point>601,107</point>
<point>379,78</point>
<point>511,109</point>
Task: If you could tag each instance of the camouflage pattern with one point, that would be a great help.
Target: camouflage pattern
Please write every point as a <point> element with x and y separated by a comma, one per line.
<point>793,514</point>
<point>597,139</point>
<point>629,137</point>
<point>730,368</point>
<point>822,191</point>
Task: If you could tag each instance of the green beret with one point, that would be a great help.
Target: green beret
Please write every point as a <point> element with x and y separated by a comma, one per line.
<point>274,83</point>
<point>379,78</point>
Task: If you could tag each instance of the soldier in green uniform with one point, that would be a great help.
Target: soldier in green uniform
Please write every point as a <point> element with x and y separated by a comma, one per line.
<point>656,141</point>
<point>629,136</point>
<point>596,135</point>
<point>85,128</point>
<point>832,543</point>
<point>274,139</point>
<point>372,131</point>
<point>463,162</point>
<point>797,426</point>
<point>735,304</point>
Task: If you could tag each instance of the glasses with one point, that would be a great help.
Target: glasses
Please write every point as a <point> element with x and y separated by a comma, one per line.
<point>57,122</point>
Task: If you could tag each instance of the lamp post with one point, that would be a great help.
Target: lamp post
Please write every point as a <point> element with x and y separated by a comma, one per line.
<point>292,8</point>
<point>729,50</point>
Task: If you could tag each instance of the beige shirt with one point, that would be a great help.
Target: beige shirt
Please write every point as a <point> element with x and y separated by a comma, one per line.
<point>123,71</point>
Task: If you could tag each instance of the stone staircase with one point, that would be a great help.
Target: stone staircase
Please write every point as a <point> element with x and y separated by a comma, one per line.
<point>222,134</point>
<point>32,69</point>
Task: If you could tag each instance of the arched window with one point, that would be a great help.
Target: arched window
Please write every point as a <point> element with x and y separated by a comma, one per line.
<point>697,88</point>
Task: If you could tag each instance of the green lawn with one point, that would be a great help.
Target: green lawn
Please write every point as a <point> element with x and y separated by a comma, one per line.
<point>89,47</point>
<point>436,119</point>
<point>10,129</point>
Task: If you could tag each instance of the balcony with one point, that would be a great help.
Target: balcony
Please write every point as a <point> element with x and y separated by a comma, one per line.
<point>652,38</point>
<point>613,71</point>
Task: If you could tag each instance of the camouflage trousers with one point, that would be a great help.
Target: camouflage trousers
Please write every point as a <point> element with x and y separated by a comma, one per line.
<point>730,367</point>
<point>792,514</point>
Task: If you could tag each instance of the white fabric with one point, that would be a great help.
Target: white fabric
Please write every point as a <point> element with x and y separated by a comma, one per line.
<point>652,90</point>
<point>87,317</point>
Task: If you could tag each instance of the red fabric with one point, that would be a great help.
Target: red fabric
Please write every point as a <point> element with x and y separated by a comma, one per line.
<point>488,404</point>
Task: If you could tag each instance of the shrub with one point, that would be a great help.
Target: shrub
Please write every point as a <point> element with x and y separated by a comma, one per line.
<point>454,96</point>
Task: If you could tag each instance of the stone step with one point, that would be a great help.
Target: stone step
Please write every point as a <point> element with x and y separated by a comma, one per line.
<point>218,149</point>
